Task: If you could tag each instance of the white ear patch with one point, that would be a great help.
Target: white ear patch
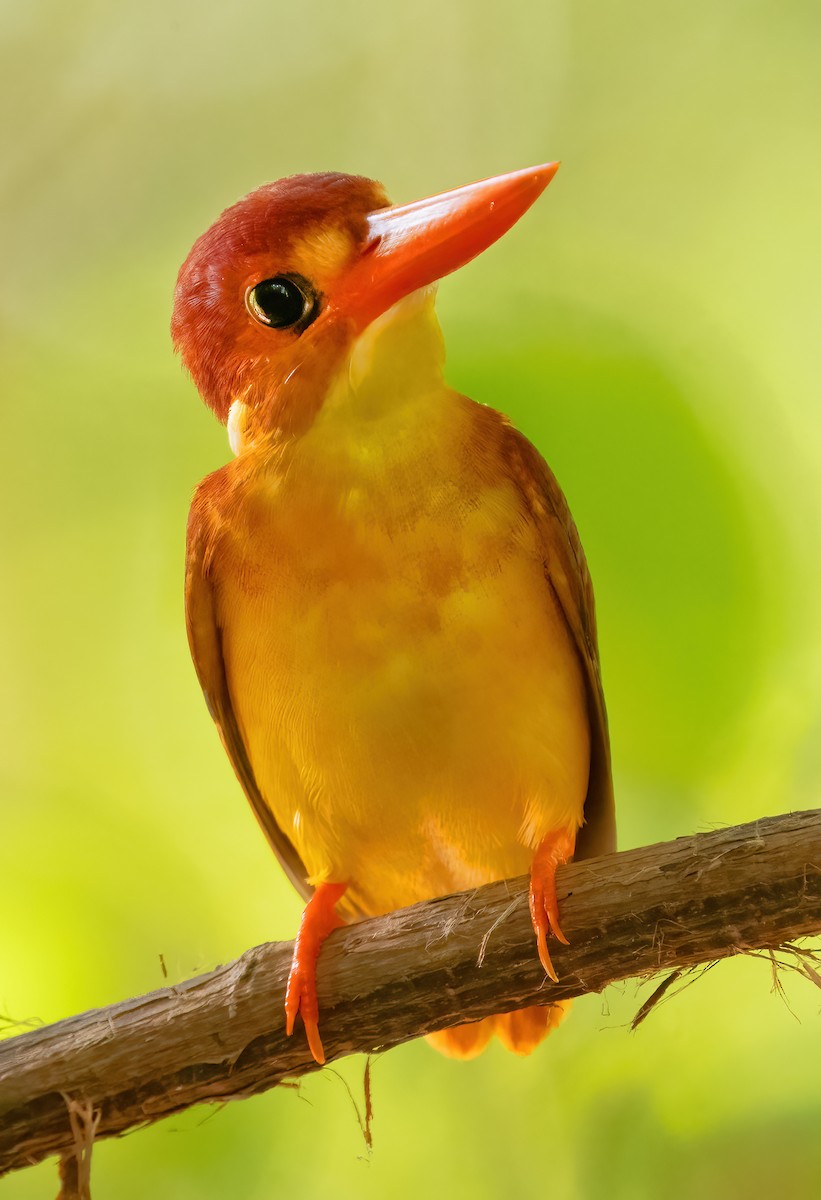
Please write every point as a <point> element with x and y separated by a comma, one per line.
<point>236,426</point>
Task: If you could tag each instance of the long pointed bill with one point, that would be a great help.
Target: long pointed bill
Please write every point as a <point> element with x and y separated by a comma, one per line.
<point>412,245</point>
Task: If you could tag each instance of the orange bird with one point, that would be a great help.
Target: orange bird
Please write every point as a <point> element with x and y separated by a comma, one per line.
<point>388,605</point>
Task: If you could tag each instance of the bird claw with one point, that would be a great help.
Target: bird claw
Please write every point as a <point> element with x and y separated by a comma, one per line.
<point>300,997</point>
<point>318,920</point>
<point>553,850</point>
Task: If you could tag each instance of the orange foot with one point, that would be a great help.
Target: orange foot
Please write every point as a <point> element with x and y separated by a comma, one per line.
<point>318,920</point>
<point>554,849</point>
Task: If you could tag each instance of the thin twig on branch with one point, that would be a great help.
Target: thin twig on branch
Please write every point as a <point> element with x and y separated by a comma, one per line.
<point>221,1036</point>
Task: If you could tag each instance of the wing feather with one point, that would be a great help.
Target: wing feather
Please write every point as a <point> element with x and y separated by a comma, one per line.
<point>205,640</point>
<point>567,574</point>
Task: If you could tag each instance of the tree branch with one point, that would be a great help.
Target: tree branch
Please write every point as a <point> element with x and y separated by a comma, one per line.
<point>221,1036</point>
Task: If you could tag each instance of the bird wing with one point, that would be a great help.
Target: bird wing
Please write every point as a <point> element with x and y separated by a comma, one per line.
<point>567,574</point>
<point>205,640</point>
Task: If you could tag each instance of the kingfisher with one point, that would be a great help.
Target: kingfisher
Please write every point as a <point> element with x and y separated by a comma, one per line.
<point>387,601</point>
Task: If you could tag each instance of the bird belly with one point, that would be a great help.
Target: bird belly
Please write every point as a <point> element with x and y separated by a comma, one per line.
<point>410,698</point>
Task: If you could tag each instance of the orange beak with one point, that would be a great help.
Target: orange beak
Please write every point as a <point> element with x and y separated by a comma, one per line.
<point>412,245</point>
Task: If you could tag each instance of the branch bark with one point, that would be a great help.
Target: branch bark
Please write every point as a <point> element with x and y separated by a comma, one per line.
<point>457,958</point>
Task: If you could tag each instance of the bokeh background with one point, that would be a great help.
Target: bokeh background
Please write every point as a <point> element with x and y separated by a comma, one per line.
<point>652,324</point>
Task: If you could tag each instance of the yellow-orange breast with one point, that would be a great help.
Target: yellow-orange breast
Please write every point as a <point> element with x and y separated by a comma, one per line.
<point>409,696</point>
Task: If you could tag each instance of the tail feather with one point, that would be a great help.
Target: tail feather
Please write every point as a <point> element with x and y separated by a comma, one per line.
<point>519,1031</point>
<point>463,1041</point>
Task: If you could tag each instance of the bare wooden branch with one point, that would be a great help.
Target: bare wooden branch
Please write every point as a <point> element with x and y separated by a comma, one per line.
<point>221,1036</point>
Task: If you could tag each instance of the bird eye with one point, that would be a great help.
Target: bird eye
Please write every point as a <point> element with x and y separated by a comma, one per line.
<point>281,302</point>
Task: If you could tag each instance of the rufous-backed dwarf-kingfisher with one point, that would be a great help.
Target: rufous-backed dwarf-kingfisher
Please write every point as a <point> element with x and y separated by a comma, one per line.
<point>388,605</point>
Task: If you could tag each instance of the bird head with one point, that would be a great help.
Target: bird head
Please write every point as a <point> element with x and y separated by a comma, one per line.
<point>273,297</point>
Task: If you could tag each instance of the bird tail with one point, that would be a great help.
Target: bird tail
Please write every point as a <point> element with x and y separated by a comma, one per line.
<point>519,1031</point>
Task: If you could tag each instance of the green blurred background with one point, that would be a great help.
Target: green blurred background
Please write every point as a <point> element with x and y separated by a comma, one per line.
<point>652,324</point>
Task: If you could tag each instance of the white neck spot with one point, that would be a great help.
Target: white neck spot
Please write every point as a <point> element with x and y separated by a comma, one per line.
<point>236,426</point>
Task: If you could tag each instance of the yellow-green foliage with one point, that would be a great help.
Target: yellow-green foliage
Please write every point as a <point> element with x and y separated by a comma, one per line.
<point>652,325</point>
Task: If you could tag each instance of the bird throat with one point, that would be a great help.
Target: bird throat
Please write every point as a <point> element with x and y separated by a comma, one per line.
<point>381,384</point>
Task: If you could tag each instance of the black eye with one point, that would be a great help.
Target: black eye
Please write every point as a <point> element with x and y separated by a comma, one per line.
<point>281,302</point>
